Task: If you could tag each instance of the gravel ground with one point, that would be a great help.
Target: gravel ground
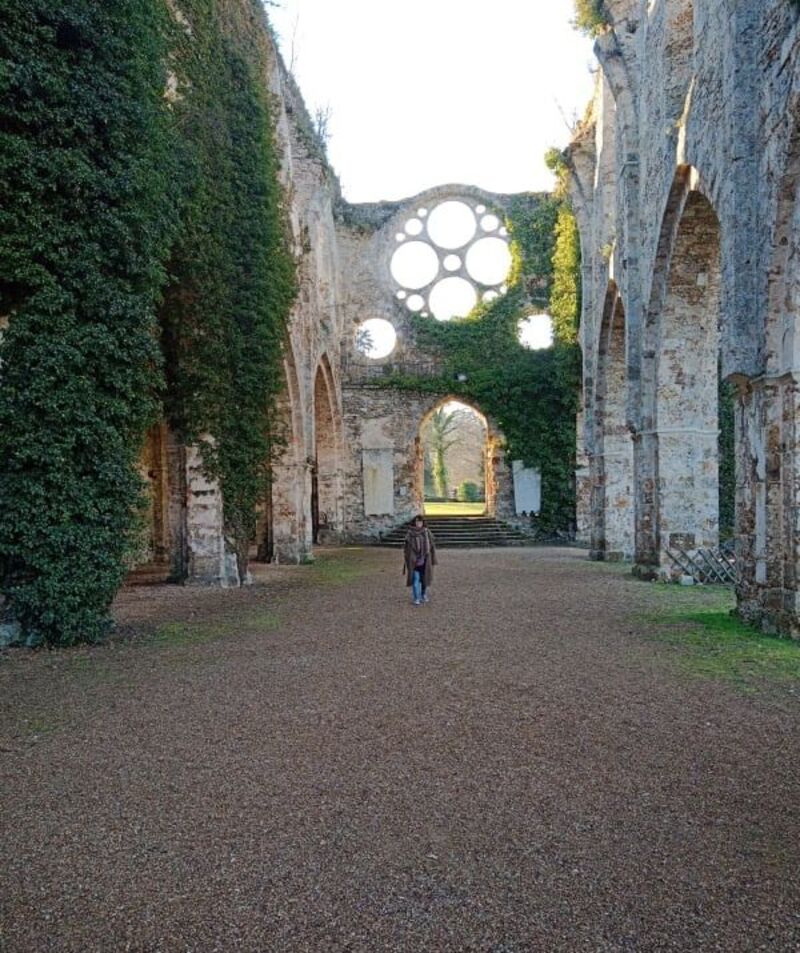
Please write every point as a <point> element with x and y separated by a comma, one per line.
<point>314,764</point>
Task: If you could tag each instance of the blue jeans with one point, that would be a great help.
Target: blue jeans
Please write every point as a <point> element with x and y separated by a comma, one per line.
<point>418,584</point>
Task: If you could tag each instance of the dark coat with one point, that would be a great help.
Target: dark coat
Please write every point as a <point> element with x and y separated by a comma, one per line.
<point>410,559</point>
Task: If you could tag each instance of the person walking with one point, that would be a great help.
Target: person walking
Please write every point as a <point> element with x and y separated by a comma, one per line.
<point>420,558</point>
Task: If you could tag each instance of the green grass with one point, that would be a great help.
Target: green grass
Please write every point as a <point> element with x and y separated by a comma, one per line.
<point>339,568</point>
<point>713,643</point>
<point>199,633</point>
<point>455,509</point>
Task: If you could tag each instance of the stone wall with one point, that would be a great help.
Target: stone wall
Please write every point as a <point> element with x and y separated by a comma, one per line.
<point>349,466</point>
<point>684,181</point>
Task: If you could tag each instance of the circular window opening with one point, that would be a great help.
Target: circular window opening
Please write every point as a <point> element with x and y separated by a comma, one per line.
<point>422,212</point>
<point>489,261</point>
<point>413,226</point>
<point>375,338</point>
<point>489,223</point>
<point>451,224</point>
<point>452,263</point>
<point>415,303</point>
<point>536,332</point>
<point>452,298</point>
<point>414,264</point>
<point>490,295</point>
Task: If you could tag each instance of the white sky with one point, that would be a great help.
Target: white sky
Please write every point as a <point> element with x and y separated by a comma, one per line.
<point>429,92</point>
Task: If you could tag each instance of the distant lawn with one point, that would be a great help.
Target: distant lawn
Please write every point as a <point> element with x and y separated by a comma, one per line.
<point>455,509</point>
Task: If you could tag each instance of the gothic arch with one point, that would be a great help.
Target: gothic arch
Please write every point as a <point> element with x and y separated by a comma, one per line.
<point>285,531</point>
<point>327,463</point>
<point>612,458</point>
<point>677,473</point>
<point>498,471</point>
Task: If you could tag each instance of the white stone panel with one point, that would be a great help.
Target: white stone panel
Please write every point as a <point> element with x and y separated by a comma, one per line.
<point>527,489</point>
<point>378,470</point>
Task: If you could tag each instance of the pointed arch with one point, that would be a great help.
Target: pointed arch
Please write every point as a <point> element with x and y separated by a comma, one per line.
<point>678,475</point>
<point>285,527</point>
<point>327,464</point>
<point>612,459</point>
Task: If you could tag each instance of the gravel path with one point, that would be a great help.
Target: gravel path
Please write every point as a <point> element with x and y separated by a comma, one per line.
<point>316,765</point>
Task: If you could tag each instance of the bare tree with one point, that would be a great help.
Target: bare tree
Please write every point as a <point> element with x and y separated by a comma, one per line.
<point>322,123</point>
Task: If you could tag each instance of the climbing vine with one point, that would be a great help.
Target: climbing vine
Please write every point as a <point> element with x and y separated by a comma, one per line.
<point>86,218</point>
<point>532,395</point>
<point>232,271</point>
<point>141,218</point>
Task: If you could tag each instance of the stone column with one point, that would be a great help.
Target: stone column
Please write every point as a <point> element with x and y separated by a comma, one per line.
<point>208,560</point>
<point>616,466</point>
<point>645,455</point>
<point>768,502</point>
<point>291,511</point>
<point>688,489</point>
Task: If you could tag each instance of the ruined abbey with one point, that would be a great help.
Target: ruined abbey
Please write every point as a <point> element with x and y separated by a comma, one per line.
<point>683,177</point>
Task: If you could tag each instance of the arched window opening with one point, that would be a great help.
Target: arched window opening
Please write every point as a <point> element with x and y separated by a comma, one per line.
<point>454,442</point>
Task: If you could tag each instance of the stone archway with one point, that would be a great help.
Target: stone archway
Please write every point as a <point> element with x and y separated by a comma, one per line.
<point>455,454</point>
<point>678,465</point>
<point>290,484</point>
<point>160,551</point>
<point>326,469</point>
<point>498,478</point>
<point>612,459</point>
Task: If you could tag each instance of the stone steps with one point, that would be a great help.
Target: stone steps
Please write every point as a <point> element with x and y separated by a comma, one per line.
<point>466,532</point>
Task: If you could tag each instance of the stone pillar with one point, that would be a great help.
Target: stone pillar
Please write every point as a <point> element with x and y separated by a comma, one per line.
<point>583,487</point>
<point>688,489</point>
<point>645,455</point>
<point>768,502</point>
<point>291,511</point>
<point>616,467</point>
<point>208,559</point>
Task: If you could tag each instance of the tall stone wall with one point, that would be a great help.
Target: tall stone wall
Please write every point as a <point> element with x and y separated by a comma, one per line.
<point>376,418</point>
<point>684,182</point>
<point>349,465</point>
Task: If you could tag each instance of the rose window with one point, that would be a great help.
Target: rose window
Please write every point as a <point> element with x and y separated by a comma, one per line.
<point>449,258</point>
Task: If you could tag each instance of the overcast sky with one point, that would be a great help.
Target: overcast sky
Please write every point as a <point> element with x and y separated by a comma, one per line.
<point>429,92</point>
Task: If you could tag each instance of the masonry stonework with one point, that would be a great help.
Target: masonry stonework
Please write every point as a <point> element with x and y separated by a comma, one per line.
<point>348,459</point>
<point>684,179</point>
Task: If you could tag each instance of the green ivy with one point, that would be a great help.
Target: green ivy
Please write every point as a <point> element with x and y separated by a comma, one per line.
<point>233,278</point>
<point>532,395</point>
<point>591,16</point>
<point>86,218</point>
<point>115,198</point>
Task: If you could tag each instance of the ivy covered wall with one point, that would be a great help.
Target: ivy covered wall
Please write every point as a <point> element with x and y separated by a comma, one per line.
<point>129,216</point>
<point>232,278</point>
<point>531,395</point>
<point>87,217</point>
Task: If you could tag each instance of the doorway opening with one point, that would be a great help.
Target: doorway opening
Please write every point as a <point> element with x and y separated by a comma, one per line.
<point>455,447</point>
